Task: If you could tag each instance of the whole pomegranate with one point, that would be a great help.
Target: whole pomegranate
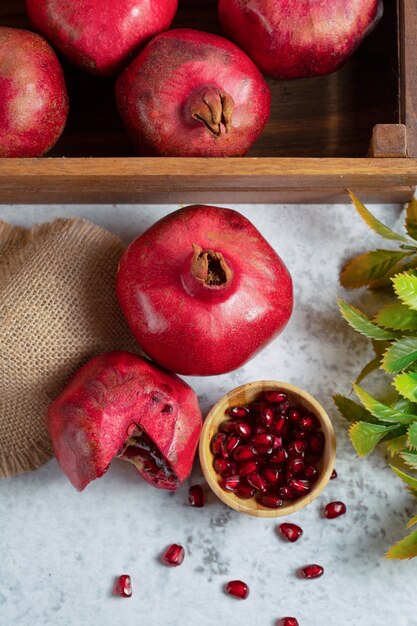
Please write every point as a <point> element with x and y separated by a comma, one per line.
<point>33,97</point>
<point>298,38</point>
<point>100,35</point>
<point>192,94</point>
<point>203,291</point>
<point>120,404</point>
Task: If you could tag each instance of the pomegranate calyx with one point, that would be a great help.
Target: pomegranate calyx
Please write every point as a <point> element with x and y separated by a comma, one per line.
<point>209,267</point>
<point>214,108</point>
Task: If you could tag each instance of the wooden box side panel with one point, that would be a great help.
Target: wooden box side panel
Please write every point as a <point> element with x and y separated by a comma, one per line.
<point>407,32</point>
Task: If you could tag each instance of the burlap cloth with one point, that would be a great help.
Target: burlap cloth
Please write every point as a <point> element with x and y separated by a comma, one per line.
<point>58,308</point>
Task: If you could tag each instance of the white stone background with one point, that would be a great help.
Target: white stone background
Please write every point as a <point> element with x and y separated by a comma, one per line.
<point>60,550</point>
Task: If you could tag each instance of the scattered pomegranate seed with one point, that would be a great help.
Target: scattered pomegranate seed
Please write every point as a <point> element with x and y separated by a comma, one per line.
<point>334,509</point>
<point>174,555</point>
<point>196,496</point>
<point>288,621</point>
<point>312,571</point>
<point>237,589</point>
<point>270,501</point>
<point>292,532</point>
<point>123,586</point>
<point>334,475</point>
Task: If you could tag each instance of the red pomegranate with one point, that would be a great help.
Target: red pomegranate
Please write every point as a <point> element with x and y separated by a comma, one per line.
<point>298,38</point>
<point>100,35</point>
<point>203,291</point>
<point>192,94</point>
<point>33,97</point>
<point>121,404</point>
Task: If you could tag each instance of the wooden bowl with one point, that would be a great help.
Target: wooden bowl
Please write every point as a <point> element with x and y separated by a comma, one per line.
<point>246,394</point>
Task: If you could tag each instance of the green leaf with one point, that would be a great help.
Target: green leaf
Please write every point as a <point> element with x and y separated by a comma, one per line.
<point>411,218</point>
<point>404,549</point>
<point>353,411</point>
<point>396,316</point>
<point>382,411</point>
<point>368,369</point>
<point>412,435</point>
<point>397,444</point>
<point>406,385</point>
<point>405,286</point>
<point>362,324</point>
<point>412,521</point>
<point>400,355</point>
<point>409,480</point>
<point>374,223</point>
<point>410,458</point>
<point>370,266</point>
<point>366,436</point>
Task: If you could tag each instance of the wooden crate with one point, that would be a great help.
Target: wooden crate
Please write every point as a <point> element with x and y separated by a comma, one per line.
<point>356,128</point>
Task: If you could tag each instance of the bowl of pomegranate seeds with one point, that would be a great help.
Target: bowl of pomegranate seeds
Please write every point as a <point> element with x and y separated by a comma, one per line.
<point>267,448</point>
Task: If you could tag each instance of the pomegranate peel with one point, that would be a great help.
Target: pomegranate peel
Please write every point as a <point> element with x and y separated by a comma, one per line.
<point>120,404</point>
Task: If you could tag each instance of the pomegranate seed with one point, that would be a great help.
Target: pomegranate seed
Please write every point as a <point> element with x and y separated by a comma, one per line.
<point>174,555</point>
<point>292,532</point>
<point>227,427</point>
<point>257,481</point>
<point>296,448</point>
<point>299,486</point>
<point>267,416</point>
<point>312,571</point>
<point>243,430</point>
<point>295,467</point>
<point>279,456</point>
<point>231,483</point>
<point>247,468</point>
<point>277,442</point>
<point>243,453</point>
<point>232,442</point>
<point>245,491</point>
<point>237,589</point>
<point>288,621</point>
<point>220,465</point>
<point>286,493</point>
<point>280,426</point>
<point>263,443</point>
<point>259,430</point>
<point>275,397</point>
<point>311,472</point>
<point>238,411</point>
<point>334,475</point>
<point>300,434</point>
<point>270,501</point>
<point>294,415</point>
<point>335,509</point>
<point>123,586</point>
<point>217,443</point>
<point>230,471</point>
<point>284,408</point>
<point>316,444</point>
<point>196,496</point>
<point>272,475</point>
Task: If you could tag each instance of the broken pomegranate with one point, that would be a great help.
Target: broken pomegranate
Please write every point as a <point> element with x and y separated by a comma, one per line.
<point>237,589</point>
<point>123,587</point>
<point>100,36</point>
<point>292,39</point>
<point>120,404</point>
<point>192,94</point>
<point>174,555</point>
<point>262,464</point>
<point>203,292</point>
<point>196,496</point>
<point>312,571</point>
<point>334,509</point>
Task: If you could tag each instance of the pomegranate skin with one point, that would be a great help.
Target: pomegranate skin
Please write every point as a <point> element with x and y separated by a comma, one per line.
<point>189,326</point>
<point>299,38</point>
<point>90,421</point>
<point>100,36</point>
<point>33,97</point>
<point>192,94</point>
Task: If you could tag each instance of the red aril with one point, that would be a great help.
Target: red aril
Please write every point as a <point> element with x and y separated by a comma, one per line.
<point>245,491</point>
<point>249,467</point>
<point>243,430</point>
<point>237,589</point>
<point>123,586</point>
<point>280,455</point>
<point>192,94</point>
<point>275,397</point>
<point>196,496</point>
<point>291,532</point>
<point>205,262</point>
<point>272,475</point>
<point>270,501</point>
<point>298,486</point>
<point>311,472</point>
<point>312,571</point>
<point>220,464</point>
<point>315,444</point>
<point>287,621</point>
<point>232,443</point>
<point>293,39</point>
<point>238,411</point>
<point>231,483</point>
<point>257,482</point>
<point>174,555</point>
<point>334,475</point>
<point>335,509</point>
<point>243,453</point>
<point>217,444</point>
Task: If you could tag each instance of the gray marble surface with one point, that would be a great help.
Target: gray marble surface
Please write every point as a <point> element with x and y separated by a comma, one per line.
<point>60,550</point>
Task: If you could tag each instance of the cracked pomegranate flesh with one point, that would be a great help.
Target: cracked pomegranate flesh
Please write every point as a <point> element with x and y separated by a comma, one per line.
<point>123,587</point>
<point>120,404</point>
<point>98,35</point>
<point>192,94</point>
<point>203,292</point>
<point>271,468</point>
<point>298,38</point>
<point>33,96</point>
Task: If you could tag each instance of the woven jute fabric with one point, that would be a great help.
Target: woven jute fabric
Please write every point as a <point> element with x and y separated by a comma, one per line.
<point>58,308</point>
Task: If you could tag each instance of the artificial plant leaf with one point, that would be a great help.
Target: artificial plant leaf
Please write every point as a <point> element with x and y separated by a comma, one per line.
<point>370,266</point>
<point>397,444</point>
<point>406,385</point>
<point>368,369</point>
<point>366,436</point>
<point>405,286</point>
<point>411,218</point>
<point>396,316</point>
<point>412,521</point>
<point>374,223</point>
<point>404,549</point>
<point>410,458</point>
<point>352,411</point>
<point>412,435</point>
<point>382,411</point>
<point>400,355</point>
<point>409,480</point>
<point>363,324</point>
